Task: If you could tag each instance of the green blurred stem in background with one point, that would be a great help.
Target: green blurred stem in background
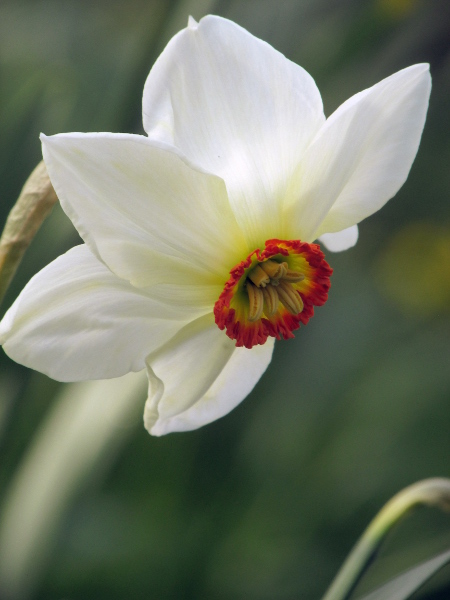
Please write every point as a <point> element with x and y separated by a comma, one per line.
<point>34,204</point>
<point>429,492</point>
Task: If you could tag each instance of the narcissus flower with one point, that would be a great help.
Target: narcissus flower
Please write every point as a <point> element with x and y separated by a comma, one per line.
<point>199,238</point>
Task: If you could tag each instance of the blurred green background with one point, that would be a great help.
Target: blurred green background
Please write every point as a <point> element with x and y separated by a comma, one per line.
<point>267,502</point>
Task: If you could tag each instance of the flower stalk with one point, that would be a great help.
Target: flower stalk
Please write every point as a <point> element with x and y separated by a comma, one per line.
<point>429,492</point>
<point>34,204</point>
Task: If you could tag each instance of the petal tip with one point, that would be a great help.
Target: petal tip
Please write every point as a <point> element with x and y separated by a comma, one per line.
<point>153,423</point>
<point>45,140</point>
<point>419,70</point>
<point>49,140</point>
<point>422,66</point>
<point>340,240</point>
<point>192,23</point>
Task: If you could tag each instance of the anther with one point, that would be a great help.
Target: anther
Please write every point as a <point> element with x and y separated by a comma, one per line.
<point>290,298</point>
<point>271,300</point>
<point>274,269</point>
<point>293,276</point>
<point>256,302</point>
<point>259,277</point>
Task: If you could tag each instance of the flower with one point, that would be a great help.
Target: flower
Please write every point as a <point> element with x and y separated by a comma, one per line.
<point>199,238</point>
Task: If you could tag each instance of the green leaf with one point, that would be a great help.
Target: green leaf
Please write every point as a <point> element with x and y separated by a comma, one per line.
<point>403,586</point>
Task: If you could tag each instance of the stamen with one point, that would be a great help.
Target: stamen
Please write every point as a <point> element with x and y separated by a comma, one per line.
<point>271,300</point>
<point>274,269</point>
<point>272,292</point>
<point>293,276</point>
<point>256,302</point>
<point>290,298</point>
<point>259,277</point>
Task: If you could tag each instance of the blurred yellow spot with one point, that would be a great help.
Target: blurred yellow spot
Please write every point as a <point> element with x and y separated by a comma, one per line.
<point>396,9</point>
<point>414,269</point>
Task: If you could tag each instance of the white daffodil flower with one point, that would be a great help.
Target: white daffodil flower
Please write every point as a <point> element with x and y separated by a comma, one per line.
<point>199,237</point>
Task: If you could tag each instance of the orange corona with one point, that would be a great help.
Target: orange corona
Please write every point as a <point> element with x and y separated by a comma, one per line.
<point>272,291</point>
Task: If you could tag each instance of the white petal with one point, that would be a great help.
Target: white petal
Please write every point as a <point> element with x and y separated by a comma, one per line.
<point>75,321</point>
<point>238,108</point>
<point>361,156</point>
<point>341,240</point>
<point>149,215</point>
<point>200,376</point>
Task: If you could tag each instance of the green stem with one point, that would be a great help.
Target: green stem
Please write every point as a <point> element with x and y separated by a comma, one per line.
<point>429,492</point>
<point>33,205</point>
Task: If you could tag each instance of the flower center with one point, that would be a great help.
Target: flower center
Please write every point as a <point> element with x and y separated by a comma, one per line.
<point>272,291</point>
<point>270,283</point>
